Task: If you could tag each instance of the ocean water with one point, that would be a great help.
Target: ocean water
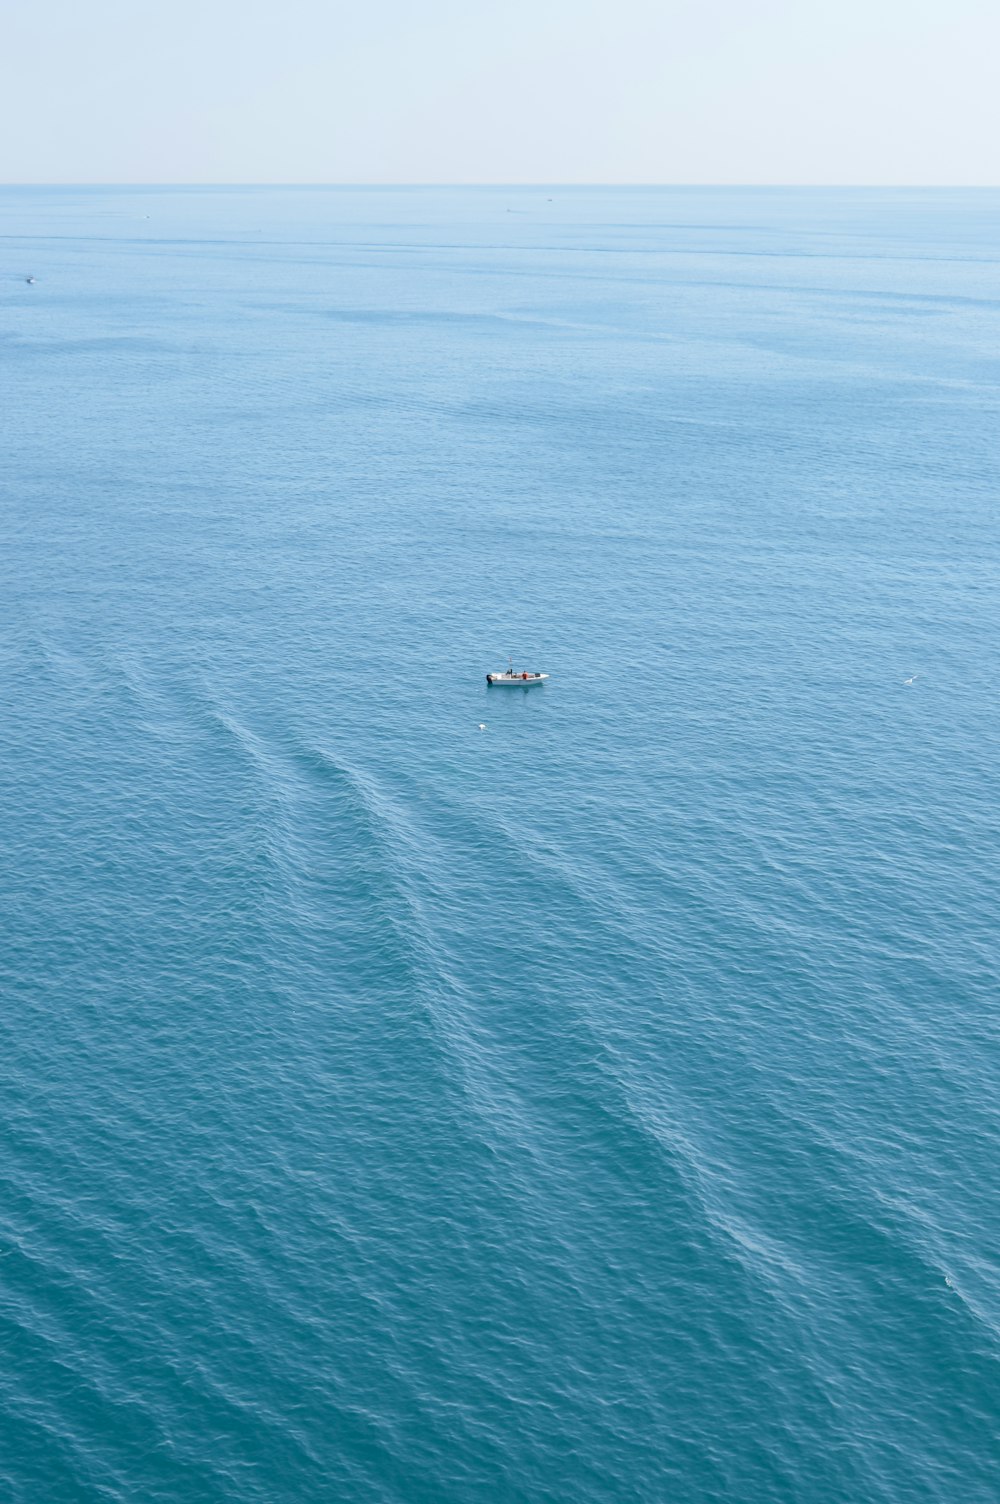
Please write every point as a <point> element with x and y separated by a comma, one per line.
<point>412,1093</point>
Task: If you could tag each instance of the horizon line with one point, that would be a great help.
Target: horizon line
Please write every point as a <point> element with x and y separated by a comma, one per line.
<point>499,185</point>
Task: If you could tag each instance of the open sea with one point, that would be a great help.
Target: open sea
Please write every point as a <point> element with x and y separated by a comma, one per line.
<point>417,1093</point>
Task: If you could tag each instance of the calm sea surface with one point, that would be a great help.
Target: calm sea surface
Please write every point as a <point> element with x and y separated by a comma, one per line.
<point>412,1093</point>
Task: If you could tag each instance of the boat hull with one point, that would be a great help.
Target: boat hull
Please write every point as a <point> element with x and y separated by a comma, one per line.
<point>516,681</point>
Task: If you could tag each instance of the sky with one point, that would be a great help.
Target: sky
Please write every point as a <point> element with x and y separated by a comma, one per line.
<point>513,91</point>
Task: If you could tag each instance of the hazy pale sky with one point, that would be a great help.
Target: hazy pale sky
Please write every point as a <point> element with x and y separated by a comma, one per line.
<point>395,91</point>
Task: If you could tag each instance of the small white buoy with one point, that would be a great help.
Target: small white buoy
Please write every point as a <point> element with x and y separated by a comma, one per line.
<point>482,726</point>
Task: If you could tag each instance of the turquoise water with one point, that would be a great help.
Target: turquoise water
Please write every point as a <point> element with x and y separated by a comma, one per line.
<point>601,1106</point>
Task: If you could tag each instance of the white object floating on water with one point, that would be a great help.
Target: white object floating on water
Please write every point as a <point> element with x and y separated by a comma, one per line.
<point>482,725</point>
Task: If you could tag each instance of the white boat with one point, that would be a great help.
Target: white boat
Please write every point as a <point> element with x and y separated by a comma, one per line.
<point>508,676</point>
